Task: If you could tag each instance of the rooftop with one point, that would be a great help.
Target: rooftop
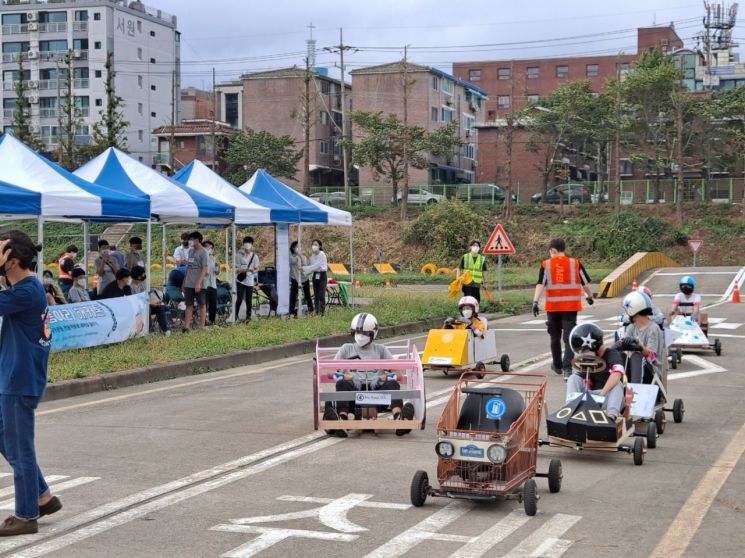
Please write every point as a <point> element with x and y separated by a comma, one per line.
<point>196,127</point>
<point>134,6</point>
<point>397,67</point>
<point>292,72</point>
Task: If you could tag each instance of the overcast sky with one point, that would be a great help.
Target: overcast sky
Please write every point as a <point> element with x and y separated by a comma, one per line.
<point>247,35</point>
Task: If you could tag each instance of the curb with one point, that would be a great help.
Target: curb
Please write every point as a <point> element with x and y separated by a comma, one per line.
<point>170,371</point>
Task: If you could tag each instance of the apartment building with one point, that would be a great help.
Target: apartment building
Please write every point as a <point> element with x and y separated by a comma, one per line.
<point>146,52</point>
<point>435,98</point>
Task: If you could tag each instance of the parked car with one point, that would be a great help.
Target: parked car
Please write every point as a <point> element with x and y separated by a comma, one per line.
<point>482,193</point>
<point>338,199</point>
<point>571,193</point>
<point>420,196</point>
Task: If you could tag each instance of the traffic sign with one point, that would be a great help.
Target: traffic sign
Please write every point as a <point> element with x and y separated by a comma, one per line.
<point>695,245</point>
<point>499,243</point>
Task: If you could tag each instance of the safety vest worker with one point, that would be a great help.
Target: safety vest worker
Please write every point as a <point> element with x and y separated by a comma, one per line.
<point>65,265</point>
<point>475,263</point>
<point>563,284</point>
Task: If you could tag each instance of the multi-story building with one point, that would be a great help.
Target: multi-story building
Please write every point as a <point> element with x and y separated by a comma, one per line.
<point>196,104</point>
<point>435,98</point>
<point>146,53</point>
<point>193,139</point>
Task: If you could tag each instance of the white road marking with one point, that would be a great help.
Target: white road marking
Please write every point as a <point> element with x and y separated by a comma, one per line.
<point>739,278</point>
<point>716,320</point>
<point>269,537</point>
<point>725,325</point>
<point>55,488</point>
<point>492,536</point>
<point>7,491</point>
<point>535,545</point>
<point>730,336</point>
<point>363,504</point>
<point>706,367</point>
<point>692,273</point>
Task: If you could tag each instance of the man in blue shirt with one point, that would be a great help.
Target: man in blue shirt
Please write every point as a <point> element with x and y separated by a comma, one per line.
<point>25,341</point>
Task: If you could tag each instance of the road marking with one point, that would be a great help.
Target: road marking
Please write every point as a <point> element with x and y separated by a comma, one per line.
<point>270,536</point>
<point>492,536</point>
<point>726,325</point>
<point>11,489</point>
<point>707,367</point>
<point>681,273</point>
<point>363,504</point>
<point>544,541</point>
<point>685,525</point>
<point>55,488</point>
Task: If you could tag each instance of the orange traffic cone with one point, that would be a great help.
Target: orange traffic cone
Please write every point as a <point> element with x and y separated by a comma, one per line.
<point>736,294</point>
<point>357,284</point>
<point>634,285</point>
<point>387,283</point>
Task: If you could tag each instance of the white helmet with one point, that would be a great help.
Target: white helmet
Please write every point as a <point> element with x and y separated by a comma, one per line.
<point>468,301</point>
<point>365,323</point>
<point>636,302</point>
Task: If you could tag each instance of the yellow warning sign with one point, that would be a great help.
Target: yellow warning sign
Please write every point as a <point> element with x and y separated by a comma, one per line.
<point>499,243</point>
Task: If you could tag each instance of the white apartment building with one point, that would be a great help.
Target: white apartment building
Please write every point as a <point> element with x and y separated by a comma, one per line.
<point>146,51</point>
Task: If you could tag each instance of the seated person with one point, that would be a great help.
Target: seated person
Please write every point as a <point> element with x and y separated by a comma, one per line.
<point>651,339</point>
<point>120,287</point>
<point>468,308</point>
<point>176,277</point>
<point>156,307</point>
<point>54,293</point>
<point>586,339</point>
<point>686,302</point>
<point>79,290</point>
<point>365,330</point>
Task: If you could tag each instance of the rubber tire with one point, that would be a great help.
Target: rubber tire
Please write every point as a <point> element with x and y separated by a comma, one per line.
<point>678,410</point>
<point>680,355</point>
<point>639,451</point>
<point>419,487</point>
<point>718,347</point>
<point>504,363</point>
<point>555,474</point>
<point>673,361</point>
<point>651,435</point>
<point>431,201</point>
<point>660,420</point>
<point>480,367</point>
<point>530,498</point>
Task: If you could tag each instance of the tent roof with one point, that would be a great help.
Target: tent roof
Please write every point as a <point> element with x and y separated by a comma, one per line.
<point>19,201</point>
<point>171,201</point>
<point>64,195</point>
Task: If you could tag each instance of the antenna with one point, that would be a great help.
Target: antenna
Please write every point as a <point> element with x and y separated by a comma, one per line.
<point>311,42</point>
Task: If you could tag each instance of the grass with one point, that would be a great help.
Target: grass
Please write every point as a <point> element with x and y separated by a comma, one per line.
<point>391,307</point>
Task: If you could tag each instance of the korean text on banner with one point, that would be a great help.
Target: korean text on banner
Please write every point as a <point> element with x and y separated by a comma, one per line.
<point>98,322</point>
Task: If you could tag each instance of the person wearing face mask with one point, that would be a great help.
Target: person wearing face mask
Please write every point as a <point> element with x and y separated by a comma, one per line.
<point>120,287</point>
<point>25,342</point>
<point>106,265</point>
<point>476,264</point>
<point>364,329</point>
<point>296,277</point>
<point>54,294</point>
<point>134,256</point>
<point>66,264</point>
<point>318,268</point>
<point>468,308</point>
<point>139,285</point>
<point>78,292</point>
<point>248,264</point>
<point>181,253</point>
<point>213,271</point>
<point>687,302</point>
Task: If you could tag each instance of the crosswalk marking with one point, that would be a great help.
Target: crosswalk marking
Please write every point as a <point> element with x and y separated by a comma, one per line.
<point>50,479</point>
<point>725,325</point>
<point>544,542</point>
<point>58,487</point>
<point>492,536</point>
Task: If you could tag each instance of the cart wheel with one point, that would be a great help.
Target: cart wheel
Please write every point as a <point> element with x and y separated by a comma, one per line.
<point>661,421</point>
<point>504,363</point>
<point>530,497</point>
<point>638,451</point>
<point>678,410</point>
<point>680,354</point>
<point>480,367</point>
<point>419,488</point>
<point>717,346</point>
<point>673,361</point>
<point>555,474</point>
<point>651,435</point>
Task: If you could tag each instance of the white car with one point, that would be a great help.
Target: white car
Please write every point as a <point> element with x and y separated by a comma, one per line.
<point>420,196</point>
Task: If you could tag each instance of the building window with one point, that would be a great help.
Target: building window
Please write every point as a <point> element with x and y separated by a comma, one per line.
<point>532,72</point>
<point>139,108</point>
<point>592,70</point>
<point>97,16</point>
<point>503,101</point>
<point>181,144</point>
<point>504,73</point>
<point>81,15</point>
<point>324,118</point>
<point>474,75</point>
<point>447,115</point>
<point>139,135</point>
<point>325,87</point>
<point>153,115</point>
<point>231,109</point>
<point>99,73</point>
<point>152,60</point>
<point>469,151</point>
<point>97,45</point>
<point>99,102</point>
<point>562,71</point>
<point>447,86</point>
<point>153,88</point>
<point>627,169</point>
<point>139,82</point>
<point>532,99</point>
<point>468,122</point>
<point>435,114</point>
<point>324,148</point>
<point>139,54</point>
<point>435,83</point>
<point>152,33</point>
<point>622,66</point>
<point>139,27</point>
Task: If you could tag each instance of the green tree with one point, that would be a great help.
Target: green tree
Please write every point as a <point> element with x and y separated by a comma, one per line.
<point>249,151</point>
<point>69,122</point>
<point>22,113</point>
<point>109,130</point>
<point>385,140</point>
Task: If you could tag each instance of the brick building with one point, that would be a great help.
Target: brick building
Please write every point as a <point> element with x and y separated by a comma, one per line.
<point>196,104</point>
<point>435,98</point>
<point>193,140</point>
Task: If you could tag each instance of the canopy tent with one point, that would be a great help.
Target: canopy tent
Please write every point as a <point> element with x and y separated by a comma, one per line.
<point>19,201</point>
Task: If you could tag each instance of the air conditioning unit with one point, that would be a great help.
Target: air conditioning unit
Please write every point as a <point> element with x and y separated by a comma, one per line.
<point>33,84</point>
<point>30,16</point>
<point>33,99</point>
<point>32,54</point>
<point>449,101</point>
<point>76,53</point>
<point>33,26</point>
<point>468,133</point>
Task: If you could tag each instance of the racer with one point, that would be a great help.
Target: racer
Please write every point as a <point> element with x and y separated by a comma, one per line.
<point>468,308</point>
<point>364,329</point>
<point>586,339</point>
<point>687,302</point>
<point>639,308</point>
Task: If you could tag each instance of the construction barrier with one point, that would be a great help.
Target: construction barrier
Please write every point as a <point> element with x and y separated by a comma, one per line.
<point>428,269</point>
<point>617,281</point>
<point>444,271</point>
<point>384,268</point>
<point>338,269</point>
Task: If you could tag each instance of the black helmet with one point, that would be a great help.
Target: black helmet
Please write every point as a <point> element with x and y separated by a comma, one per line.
<point>586,336</point>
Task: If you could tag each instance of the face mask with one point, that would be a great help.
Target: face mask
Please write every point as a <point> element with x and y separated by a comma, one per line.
<point>467,313</point>
<point>247,246</point>
<point>191,244</point>
<point>106,252</point>
<point>47,281</point>
<point>137,248</point>
<point>362,339</point>
<point>209,251</point>
<point>82,283</point>
<point>686,289</point>
<point>73,255</point>
<point>316,248</point>
<point>474,250</point>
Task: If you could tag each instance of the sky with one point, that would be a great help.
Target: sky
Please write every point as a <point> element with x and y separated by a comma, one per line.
<point>237,36</point>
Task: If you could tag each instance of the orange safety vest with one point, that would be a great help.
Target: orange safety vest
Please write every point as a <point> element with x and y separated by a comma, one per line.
<point>62,273</point>
<point>563,284</point>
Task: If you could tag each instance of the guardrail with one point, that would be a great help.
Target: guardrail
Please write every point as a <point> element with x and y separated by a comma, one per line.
<point>629,270</point>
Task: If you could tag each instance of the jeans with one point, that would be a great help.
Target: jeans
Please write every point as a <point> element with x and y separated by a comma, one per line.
<point>560,325</point>
<point>17,446</point>
<point>243,293</point>
<point>319,292</point>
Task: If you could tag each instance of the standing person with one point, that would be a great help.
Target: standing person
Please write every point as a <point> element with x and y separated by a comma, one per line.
<point>213,270</point>
<point>134,256</point>
<point>194,288</point>
<point>119,258</point>
<point>307,296</point>
<point>66,264</point>
<point>296,277</point>
<point>476,264</point>
<point>79,291</point>
<point>120,287</point>
<point>106,266</point>
<point>563,279</point>
<point>138,286</point>
<point>318,267</point>
<point>25,341</point>
<point>248,265</point>
<point>181,253</point>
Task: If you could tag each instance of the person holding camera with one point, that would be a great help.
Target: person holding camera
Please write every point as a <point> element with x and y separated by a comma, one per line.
<point>248,265</point>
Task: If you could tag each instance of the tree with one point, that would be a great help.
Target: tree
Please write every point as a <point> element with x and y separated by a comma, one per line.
<point>69,121</point>
<point>22,113</point>
<point>109,130</point>
<point>250,150</point>
<point>386,145</point>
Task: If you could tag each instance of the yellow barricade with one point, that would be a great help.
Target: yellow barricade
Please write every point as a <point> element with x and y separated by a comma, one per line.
<point>615,283</point>
<point>338,269</point>
<point>384,268</point>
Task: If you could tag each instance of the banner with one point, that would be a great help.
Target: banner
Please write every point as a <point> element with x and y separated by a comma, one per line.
<point>98,322</point>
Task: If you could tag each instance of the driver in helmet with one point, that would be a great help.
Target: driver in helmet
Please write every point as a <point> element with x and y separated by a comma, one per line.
<point>364,329</point>
<point>468,308</point>
<point>651,340</point>
<point>586,341</point>
<point>686,302</point>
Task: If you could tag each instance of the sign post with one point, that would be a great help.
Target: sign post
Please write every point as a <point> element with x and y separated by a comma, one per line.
<point>498,245</point>
<point>695,246</point>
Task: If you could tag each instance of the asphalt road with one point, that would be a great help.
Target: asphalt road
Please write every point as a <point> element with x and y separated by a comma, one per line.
<point>227,464</point>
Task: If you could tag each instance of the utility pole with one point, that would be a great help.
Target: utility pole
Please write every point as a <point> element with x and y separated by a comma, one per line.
<point>405,185</point>
<point>510,132</point>
<point>617,139</point>
<point>172,137</point>
<point>214,116</point>
<point>59,115</point>
<point>306,129</point>
<point>341,48</point>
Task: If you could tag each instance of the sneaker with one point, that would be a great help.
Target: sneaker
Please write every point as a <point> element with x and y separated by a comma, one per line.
<point>331,414</point>
<point>52,506</point>
<point>556,369</point>
<point>13,526</point>
<point>407,413</point>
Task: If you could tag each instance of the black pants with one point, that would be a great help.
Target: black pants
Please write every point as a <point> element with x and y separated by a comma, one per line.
<point>319,292</point>
<point>271,293</point>
<point>211,304</point>
<point>349,406</point>
<point>474,290</point>
<point>159,312</point>
<point>294,291</point>
<point>307,298</point>
<point>560,325</point>
<point>243,293</point>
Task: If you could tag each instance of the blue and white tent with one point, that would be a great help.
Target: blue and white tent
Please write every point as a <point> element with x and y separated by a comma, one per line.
<point>62,195</point>
<point>171,201</point>
<point>19,202</point>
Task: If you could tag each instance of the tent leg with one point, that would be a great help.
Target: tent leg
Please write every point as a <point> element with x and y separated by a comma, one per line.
<point>86,241</point>
<point>164,245</point>
<point>351,264</point>
<point>233,287</point>
<point>149,255</point>
<point>40,257</point>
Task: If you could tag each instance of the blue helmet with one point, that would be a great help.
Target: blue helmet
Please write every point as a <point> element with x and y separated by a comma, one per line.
<point>687,280</point>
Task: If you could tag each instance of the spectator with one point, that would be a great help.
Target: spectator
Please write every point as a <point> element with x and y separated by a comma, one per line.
<point>318,267</point>
<point>54,293</point>
<point>158,310</point>
<point>194,282</point>
<point>106,266</point>
<point>120,287</point>
<point>176,277</point>
<point>213,270</point>
<point>79,291</point>
<point>134,257</point>
<point>248,265</point>
<point>181,253</point>
<point>65,265</point>
<point>296,277</point>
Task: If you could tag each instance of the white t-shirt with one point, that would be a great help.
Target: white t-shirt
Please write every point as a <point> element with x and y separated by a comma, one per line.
<point>247,262</point>
<point>686,304</point>
<point>181,253</point>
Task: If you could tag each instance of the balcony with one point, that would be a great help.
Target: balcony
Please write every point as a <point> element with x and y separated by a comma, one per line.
<point>57,27</point>
<point>8,113</point>
<point>48,84</point>
<point>83,139</point>
<point>81,83</point>
<point>52,55</point>
<point>49,142</point>
<point>11,85</point>
<point>80,26</point>
<point>13,56</point>
<point>48,113</point>
<point>161,159</point>
<point>15,29</point>
<point>83,112</point>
